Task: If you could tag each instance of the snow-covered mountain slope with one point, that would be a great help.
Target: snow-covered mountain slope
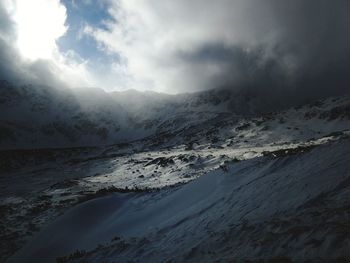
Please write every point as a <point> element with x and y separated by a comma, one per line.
<point>200,138</point>
<point>51,117</point>
<point>42,117</point>
<point>288,209</point>
<point>38,116</point>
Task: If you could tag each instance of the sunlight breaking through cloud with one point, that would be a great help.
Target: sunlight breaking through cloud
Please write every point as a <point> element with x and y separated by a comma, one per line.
<point>39,24</point>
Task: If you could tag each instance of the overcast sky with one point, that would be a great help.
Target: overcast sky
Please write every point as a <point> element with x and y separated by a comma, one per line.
<point>299,46</point>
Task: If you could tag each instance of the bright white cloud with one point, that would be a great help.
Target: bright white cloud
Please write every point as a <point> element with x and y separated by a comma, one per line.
<point>39,24</point>
<point>151,36</point>
<point>176,46</point>
<point>182,45</point>
<point>153,40</point>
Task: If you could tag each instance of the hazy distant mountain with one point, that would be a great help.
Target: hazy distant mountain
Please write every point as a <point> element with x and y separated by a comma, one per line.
<point>42,116</point>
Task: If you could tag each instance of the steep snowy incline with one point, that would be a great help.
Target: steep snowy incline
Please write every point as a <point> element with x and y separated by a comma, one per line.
<point>291,208</point>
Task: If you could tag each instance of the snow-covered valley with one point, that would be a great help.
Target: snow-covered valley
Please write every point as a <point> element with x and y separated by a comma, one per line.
<point>204,186</point>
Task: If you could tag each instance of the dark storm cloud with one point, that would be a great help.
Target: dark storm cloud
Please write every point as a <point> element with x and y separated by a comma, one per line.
<point>308,56</point>
<point>287,48</point>
<point>276,48</point>
<point>317,35</point>
<point>7,55</point>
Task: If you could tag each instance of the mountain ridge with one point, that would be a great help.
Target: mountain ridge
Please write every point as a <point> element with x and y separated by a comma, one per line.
<point>47,117</point>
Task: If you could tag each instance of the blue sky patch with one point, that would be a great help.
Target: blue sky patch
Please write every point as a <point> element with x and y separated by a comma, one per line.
<point>79,14</point>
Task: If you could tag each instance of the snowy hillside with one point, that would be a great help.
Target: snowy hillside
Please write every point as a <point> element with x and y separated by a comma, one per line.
<point>51,117</point>
<point>288,209</point>
<point>259,182</point>
<point>40,116</point>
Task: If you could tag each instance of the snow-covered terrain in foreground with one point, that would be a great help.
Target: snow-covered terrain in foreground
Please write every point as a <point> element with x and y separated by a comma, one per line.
<point>266,187</point>
<point>294,208</point>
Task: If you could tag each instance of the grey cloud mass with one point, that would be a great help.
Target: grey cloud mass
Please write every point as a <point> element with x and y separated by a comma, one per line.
<point>271,48</point>
<point>298,46</point>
